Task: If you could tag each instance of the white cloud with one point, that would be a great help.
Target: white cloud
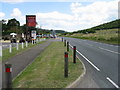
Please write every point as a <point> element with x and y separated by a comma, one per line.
<point>82,16</point>
<point>19,1</point>
<point>16,13</point>
<point>2,15</point>
<point>95,13</point>
<point>12,1</point>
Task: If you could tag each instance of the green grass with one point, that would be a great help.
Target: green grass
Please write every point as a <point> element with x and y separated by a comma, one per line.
<point>7,55</point>
<point>47,71</point>
<point>107,36</point>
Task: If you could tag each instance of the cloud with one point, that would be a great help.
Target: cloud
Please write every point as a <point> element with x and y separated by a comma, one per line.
<point>12,1</point>
<point>2,15</point>
<point>82,17</point>
<point>16,13</point>
<point>95,13</point>
<point>19,1</point>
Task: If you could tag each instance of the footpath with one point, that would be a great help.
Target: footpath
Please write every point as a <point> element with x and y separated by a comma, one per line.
<point>21,61</point>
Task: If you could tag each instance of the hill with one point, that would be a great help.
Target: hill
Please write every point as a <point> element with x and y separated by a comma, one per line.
<point>110,25</point>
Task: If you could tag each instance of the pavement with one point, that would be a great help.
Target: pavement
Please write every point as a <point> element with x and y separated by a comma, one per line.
<point>21,61</point>
<point>101,62</point>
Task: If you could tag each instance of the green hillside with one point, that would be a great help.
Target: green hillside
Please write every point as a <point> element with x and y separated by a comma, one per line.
<point>107,33</point>
<point>110,25</point>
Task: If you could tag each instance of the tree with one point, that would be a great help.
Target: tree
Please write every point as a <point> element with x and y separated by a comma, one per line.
<point>13,25</point>
<point>4,26</point>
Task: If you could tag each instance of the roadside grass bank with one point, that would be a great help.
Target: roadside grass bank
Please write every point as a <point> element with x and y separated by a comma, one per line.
<point>6,54</point>
<point>109,36</point>
<point>47,71</point>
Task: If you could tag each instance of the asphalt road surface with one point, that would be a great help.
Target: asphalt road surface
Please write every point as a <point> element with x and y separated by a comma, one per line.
<point>101,62</point>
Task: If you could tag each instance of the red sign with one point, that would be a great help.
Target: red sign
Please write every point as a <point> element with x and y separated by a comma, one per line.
<point>31,20</point>
<point>66,55</point>
<point>8,70</point>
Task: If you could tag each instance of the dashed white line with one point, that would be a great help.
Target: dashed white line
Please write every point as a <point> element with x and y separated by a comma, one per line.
<point>112,82</point>
<point>87,59</point>
<point>109,50</point>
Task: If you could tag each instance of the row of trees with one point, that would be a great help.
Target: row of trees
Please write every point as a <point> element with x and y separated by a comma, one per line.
<point>13,25</point>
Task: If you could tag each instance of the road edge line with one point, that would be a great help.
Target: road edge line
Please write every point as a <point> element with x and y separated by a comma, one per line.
<point>113,83</point>
<point>88,61</point>
<point>76,82</point>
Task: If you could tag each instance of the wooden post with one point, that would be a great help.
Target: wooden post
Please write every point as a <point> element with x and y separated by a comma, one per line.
<point>8,71</point>
<point>67,46</point>
<point>74,54</point>
<point>66,65</point>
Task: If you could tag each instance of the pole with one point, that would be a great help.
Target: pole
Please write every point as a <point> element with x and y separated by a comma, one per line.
<point>66,65</point>
<point>62,39</point>
<point>26,44</point>
<point>67,46</point>
<point>8,70</point>
<point>64,42</point>
<point>10,48</point>
<point>26,33</point>
<point>32,42</point>
<point>17,46</point>
<point>74,54</point>
<point>22,45</point>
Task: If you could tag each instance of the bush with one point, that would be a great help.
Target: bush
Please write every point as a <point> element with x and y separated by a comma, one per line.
<point>6,38</point>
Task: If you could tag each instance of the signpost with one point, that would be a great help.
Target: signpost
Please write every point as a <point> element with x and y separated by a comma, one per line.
<point>33,34</point>
<point>30,22</point>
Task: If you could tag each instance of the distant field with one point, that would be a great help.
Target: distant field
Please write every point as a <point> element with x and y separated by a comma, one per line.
<point>107,36</point>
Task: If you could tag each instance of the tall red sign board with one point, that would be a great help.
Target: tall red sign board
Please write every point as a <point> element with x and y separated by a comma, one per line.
<point>31,20</point>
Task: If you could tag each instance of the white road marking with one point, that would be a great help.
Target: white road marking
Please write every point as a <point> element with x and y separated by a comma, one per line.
<point>71,46</point>
<point>112,82</point>
<point>87,60</point>
<point>109,50</point>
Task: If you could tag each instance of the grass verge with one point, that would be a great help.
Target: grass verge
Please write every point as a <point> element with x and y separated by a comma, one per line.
<point>109,36</point>
<point>7,55</point>
<point>47,71</point>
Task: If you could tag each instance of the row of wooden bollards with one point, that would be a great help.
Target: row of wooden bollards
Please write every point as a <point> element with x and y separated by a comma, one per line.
<point>66,43</point>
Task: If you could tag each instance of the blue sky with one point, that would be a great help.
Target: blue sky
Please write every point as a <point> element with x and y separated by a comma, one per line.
<point>33,7</point>
<point>70,16</point>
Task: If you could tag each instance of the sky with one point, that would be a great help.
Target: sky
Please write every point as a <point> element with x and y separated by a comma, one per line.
<point>65,15</point>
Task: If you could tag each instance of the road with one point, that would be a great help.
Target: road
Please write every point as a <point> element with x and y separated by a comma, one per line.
<point>20,61</point>
<point>101,62</point>
<point>6,45</point>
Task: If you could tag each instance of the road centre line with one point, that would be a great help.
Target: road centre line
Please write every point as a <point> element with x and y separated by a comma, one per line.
<point>112,82</point>
<point>87,59</point>
<point>109,50</point>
